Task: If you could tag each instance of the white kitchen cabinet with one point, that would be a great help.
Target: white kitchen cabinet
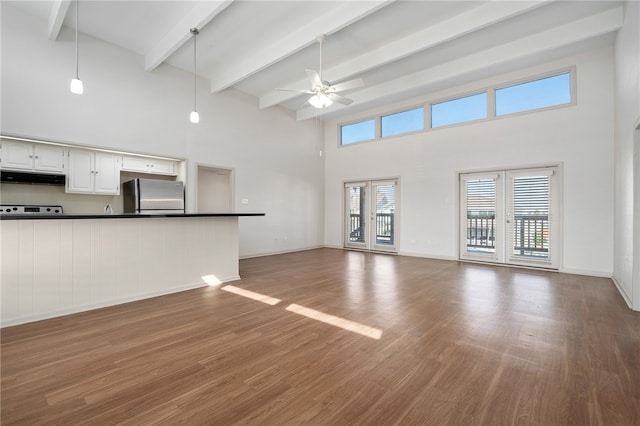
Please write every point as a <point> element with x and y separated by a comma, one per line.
<point>32,157</point>
<point>92,172</point>
<point>134,163</point>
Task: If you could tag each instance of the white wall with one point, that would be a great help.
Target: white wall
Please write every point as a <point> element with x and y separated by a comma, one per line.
<point>627,112</point>
<point>427,163</point>
<point>275,158</point>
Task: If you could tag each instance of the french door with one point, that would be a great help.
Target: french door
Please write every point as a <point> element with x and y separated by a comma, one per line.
<point>511,217</point>
<point>370,215</point>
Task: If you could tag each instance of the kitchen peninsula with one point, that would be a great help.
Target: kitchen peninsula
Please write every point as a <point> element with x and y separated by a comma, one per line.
<point>62,264</point>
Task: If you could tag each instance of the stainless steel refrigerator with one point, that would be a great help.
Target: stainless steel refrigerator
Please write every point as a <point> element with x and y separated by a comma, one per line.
<point>152,196</point>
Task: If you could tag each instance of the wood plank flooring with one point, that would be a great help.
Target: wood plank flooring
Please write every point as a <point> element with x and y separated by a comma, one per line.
<point>460,344</point>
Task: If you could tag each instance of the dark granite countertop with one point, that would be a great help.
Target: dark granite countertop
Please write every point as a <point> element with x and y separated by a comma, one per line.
<point>121,216</point>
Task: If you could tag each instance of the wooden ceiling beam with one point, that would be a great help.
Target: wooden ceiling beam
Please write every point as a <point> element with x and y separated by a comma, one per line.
<point>59,11</point>
<point>201,15</point>
<point>465,23</point>
<point>334,20</point>
<point>583,29</point>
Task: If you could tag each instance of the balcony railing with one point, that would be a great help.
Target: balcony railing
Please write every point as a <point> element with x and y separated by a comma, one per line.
<point>531,234</point>
<point>384,228</point>
<point>481,231</point>
<point>356,229</point>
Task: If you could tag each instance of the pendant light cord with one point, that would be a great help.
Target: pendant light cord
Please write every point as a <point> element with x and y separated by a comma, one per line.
<point>77,40</point>
<point>195,33</point>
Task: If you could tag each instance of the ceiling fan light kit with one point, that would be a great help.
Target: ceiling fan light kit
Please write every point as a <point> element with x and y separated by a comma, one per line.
<point>320,100</point>
<point>76,85</point>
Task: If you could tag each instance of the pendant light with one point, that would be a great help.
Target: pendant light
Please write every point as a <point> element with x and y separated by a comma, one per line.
<point>194,117</point>
<point>76,85</point>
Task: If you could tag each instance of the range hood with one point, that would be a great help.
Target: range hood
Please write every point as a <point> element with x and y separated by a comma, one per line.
<point>10,176</point>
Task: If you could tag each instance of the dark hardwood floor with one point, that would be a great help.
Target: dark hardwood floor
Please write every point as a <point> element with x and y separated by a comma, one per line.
<point>393,340</point>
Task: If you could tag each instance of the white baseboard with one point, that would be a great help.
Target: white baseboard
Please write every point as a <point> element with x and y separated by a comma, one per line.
<point>428,256</point>
<point>599,274</point>
<point>273,253</point>
<point>331,246</point>
<point>623,292</point>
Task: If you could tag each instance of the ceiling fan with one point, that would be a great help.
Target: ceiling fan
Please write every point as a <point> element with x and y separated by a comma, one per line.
<point>324,93</point>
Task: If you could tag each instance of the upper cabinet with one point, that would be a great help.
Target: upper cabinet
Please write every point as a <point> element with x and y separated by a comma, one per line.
<point>32,157</point>
<point>88,171</point>
<point>134,163</point>
<point>92,172</point>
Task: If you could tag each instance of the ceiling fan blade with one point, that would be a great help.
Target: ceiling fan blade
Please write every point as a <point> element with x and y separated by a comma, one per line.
<point>314,77</point>
<point>340,99</point>
<point>348,85</point>
<point>308,92</point>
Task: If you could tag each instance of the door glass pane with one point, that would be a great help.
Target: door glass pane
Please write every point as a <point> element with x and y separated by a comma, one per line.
<point>356,205</point>
<point>481,216</point>
<point>531,217</point>
<point>385,211</point>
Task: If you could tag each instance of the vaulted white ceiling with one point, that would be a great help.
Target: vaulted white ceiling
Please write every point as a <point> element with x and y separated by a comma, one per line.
<point>401,49</point>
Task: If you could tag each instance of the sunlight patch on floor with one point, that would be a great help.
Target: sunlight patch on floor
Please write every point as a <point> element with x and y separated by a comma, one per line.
<point>353,326</point>
<point>211,280</point>
<point>251,295</point>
